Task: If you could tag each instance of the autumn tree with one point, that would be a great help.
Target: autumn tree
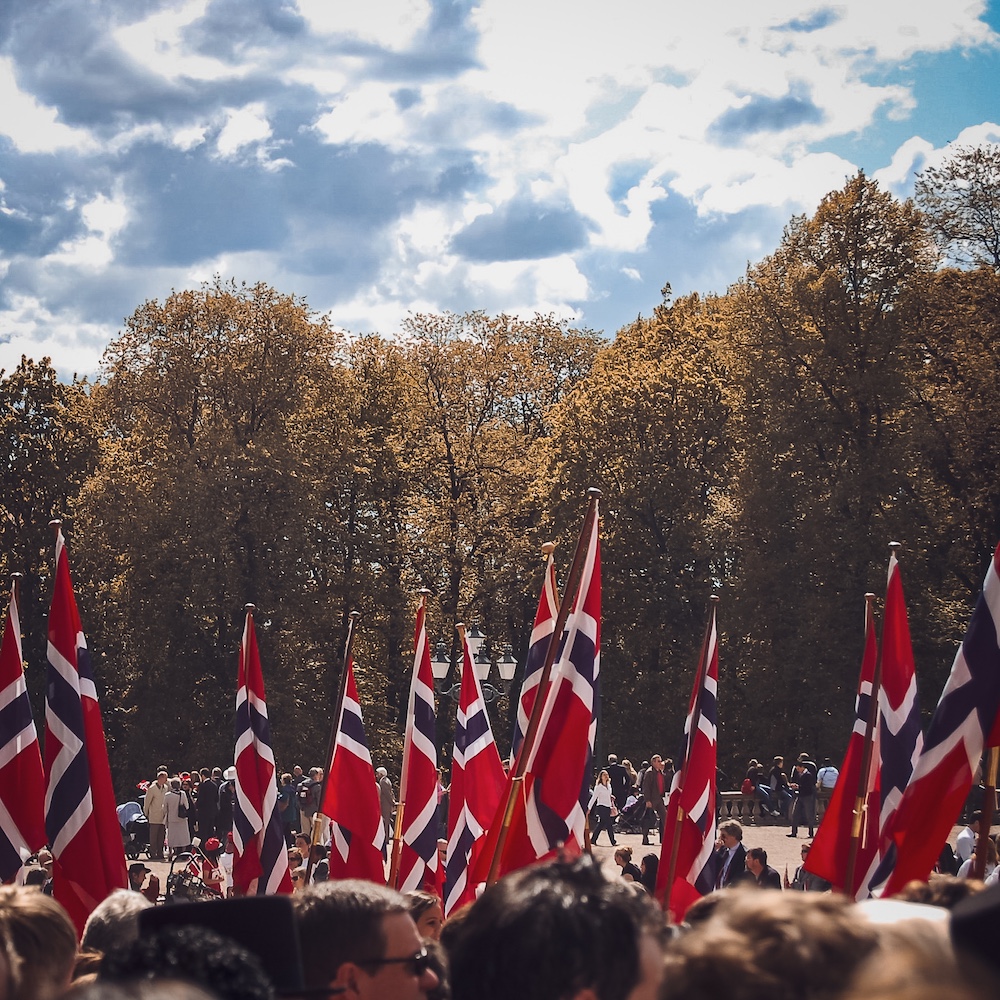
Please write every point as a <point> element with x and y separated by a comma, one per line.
<point>825,365</point>
<point>961,199</point>
<point>49,448</point>
<point>650,427</point>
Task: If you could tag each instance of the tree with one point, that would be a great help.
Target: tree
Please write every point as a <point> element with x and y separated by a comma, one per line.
<point>961,199</point>
<point>49,448</point>
<point>825,363</point>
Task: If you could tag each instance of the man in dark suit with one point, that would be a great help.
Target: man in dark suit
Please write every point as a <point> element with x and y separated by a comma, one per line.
<point>620,781</point>
<point>654,784</point>
<point>757,867</point>
<point>730,858</point>
<point>208,802</point>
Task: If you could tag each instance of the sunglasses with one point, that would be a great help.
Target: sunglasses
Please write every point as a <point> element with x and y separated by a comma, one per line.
<point>418,963</point>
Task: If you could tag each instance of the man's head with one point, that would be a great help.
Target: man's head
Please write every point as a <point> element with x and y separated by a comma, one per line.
<point>656,761</point>
<point>217,774</point>
<point>756,859</point>
<point>974,821</point>
<point>381,772</point>
<point>316,773</point>
<point>359,936</point>
<point>556,931</point>
<point>137,873</point>
<point>297,771</point>
<point>42,937</point>
<point>115,920</point>
<point>161,777</point>
<point>612,758</point>
<point>730,833</point>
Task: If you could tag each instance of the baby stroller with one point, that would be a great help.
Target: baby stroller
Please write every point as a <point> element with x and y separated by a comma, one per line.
<point>135,829</point>
<point>630,819</point>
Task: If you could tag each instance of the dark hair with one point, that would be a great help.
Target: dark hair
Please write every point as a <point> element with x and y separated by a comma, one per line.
<point>419,902</point>
<point>550,931</point>
<point>758,854</point>
<point>341,921</point>
<point>192,954</point>
<point>649,866</point>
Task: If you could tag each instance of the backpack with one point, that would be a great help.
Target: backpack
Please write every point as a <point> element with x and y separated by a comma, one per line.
<point>182,809</point>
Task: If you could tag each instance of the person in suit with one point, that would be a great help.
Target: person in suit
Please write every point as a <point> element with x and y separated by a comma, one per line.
<point>730,858</point>
<point>654,784</point>
<point>761,872</point>
<point>621,783</point>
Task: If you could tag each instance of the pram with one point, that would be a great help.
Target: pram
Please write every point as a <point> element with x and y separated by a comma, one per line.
<point>630,819</point>
<point>135,829</point>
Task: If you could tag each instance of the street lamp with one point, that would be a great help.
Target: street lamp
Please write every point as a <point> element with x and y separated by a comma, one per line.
<point>480,649</point>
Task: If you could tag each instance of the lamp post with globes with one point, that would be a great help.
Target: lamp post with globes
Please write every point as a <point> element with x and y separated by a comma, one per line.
<point>506,667</point>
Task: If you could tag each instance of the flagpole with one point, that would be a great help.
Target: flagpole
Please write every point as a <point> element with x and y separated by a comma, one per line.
<point>528,743</point>
<point>397,840</point>
<point>338,704</point>
<point>675,844</point>
<point>15,592</point>
<point>861,797</point>
<point>986,813</point>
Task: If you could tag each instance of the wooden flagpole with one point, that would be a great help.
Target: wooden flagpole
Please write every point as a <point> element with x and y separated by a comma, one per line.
<point>397,837</point>
<point>986,813</point>
<point>527,745</point>
<point>861,796</point>
<point>695,715</point>
<point>338,704</point>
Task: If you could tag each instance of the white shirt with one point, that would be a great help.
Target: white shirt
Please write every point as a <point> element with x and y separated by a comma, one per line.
<point>826,777</point>
<point>602,796</point>
<point>964,843</point>
<point>965,871</point>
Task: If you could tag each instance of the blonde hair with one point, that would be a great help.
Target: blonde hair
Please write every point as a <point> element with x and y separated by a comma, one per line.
<point>42,937</point>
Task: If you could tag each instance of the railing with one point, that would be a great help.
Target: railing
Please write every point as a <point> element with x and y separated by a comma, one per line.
<point>747,809</point>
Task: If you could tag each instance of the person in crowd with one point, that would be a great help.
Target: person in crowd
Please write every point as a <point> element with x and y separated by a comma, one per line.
<point>288,808</point>
<point>154,807</point>
<point>177,807</point>
<point>36,877</point>
<point>654,786</point>
<point>621,783</point>
<point>190,789</point>
<point>730,858</point>
<point>805,881</point>
<point>558,930</point>
<point>965,843</point>
<point>630,871</point>
<point>633,778</point>
<point>114,921</point>
<point>762,873</point>
<point>648,868</point>
<point>602,801</point>
<point>319,853</point>
<point>781,794</point>
<point>193,954</point>
<point>966,868</point>
<point>386,800</point>
<point>309,791</point>
<point>137,873</point>
<point>359,937</point>
<point>211,872</point>
<point>226,864</point>
<point>227,800</point>
<point>804,805</point>
<point>768,946</point>
<point>298,876</point>
<point>425,908</point>
<point>208,802</point>
<point>826,777</point>
<point>42,939</point>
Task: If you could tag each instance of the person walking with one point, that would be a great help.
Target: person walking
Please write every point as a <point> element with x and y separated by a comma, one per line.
<point>155,809</point>
<point>601,802</point>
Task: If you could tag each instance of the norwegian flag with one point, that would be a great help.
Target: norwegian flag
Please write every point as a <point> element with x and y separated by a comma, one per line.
<point>830,851</point>
<point>964,722</point>
<point>418,790</point>
<point>477,781</point>
<point>81,821</point>
<point>351,798</point>
<point>548,816</point>
<point>260,860</point>
<point>900,737</point>
<point>22,781</point>
<point>545,623</point>
<point>687,859</point>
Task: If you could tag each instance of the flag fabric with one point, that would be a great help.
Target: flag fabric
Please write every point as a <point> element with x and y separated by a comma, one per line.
<point>351,799</point>
<point>477,782</point>
<point>549,811</point>
<point>963,724</point>
<point>81,822</point>
<point>545,623</point>
<point>828,856</point>
<point>22,780</point>
<point>418,789</point>
<point>260,858</point>
<point>689,842</point>
<point>900,736</point>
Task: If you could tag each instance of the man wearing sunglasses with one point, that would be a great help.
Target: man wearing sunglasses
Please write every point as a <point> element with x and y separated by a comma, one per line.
<point>360,938</point>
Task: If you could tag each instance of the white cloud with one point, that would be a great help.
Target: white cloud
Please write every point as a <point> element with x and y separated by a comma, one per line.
<point>32,127</point>
<point>244,126</point>
<point>391,23</point>
<point>104,218</point>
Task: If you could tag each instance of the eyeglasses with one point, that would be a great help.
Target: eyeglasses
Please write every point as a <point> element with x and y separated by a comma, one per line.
<point>418,963</point>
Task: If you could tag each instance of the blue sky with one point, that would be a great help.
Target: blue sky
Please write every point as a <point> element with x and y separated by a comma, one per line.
<point>565,156</point>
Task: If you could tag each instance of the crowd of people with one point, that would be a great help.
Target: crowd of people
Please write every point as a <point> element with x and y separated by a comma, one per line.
<point>554,931</point>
